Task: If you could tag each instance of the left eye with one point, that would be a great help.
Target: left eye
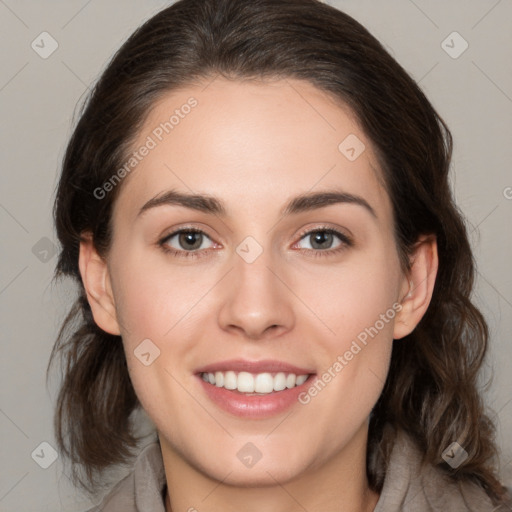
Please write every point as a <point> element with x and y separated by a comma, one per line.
<point>323,239</point>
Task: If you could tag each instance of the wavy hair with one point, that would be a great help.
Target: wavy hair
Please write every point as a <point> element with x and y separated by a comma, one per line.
<point>432,388</point>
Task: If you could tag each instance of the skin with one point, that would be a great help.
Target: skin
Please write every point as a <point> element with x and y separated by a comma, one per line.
<point>287,305</point>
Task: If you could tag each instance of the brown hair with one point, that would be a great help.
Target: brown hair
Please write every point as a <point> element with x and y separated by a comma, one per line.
<point>431,391</point>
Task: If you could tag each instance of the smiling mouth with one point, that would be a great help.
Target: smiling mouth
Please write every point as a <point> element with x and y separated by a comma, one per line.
<point>254,383</point>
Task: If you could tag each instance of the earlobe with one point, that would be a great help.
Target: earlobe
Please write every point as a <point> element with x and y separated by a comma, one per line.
<point>96,281</point>
<point>417,286</point>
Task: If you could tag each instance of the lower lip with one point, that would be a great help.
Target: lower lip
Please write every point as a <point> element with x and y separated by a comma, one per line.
<point>254,406</point>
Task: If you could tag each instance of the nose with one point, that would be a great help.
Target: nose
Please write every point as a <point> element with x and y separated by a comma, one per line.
<point>256,301</point>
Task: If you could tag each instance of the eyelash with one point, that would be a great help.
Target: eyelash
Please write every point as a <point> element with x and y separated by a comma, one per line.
<point>346,242</point>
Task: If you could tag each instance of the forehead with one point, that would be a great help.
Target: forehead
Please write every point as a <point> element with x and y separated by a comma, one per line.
<point>253,144</point>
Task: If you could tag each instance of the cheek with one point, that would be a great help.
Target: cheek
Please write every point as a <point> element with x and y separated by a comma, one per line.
<point>158,307</point>
<point>152,298</point>
<point>352,297</point>
<point>358,303</point>
<point>360,308</point>
<point>154,311</point>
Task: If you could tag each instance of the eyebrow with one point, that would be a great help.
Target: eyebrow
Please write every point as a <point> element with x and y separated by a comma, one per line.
<point>211,205</point>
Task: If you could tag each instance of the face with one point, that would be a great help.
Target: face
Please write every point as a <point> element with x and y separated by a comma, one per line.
<point>251,288</point>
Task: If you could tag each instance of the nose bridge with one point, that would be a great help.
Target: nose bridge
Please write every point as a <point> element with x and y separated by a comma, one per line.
<point>255,298</point>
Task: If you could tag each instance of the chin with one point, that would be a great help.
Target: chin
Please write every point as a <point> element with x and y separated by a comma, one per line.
<point>263,476</point>
<point>262,471</point>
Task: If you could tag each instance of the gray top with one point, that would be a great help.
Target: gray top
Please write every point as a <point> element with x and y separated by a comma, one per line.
<point>408,486</point>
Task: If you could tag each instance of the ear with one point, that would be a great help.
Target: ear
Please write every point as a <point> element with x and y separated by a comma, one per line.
<point>417,286</point>
<point>96,280</point>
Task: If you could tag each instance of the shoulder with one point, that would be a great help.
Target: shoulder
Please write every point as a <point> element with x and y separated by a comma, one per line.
<point>415,486</point>
<point>142,489</point>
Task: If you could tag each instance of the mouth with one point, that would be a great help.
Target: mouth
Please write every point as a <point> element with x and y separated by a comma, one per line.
<point>254,389</point>
<point>254,384</point>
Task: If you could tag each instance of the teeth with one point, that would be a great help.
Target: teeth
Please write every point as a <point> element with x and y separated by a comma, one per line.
<point>230,380</point>
<point>245,382</point>
<point>280,382</point>
<point>262,383</point>
<point>300,380</point>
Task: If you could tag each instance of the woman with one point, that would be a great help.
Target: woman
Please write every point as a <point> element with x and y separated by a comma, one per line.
<point>255,206</point>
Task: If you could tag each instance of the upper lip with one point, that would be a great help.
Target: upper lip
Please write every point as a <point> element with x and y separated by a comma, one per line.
<point>244,365</point>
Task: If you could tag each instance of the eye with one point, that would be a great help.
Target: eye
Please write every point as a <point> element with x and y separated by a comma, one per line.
<point>321,240</point>
<point>188,242</point>
<point>184,242</point>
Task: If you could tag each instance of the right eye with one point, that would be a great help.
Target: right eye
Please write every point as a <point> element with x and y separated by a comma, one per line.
<point>189,241</point>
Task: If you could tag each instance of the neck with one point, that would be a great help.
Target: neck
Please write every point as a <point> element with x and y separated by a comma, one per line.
<point>339,483</point>
<point>367,504</point>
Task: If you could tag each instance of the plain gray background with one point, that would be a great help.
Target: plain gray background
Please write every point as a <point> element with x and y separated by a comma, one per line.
<point>472,92</point>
